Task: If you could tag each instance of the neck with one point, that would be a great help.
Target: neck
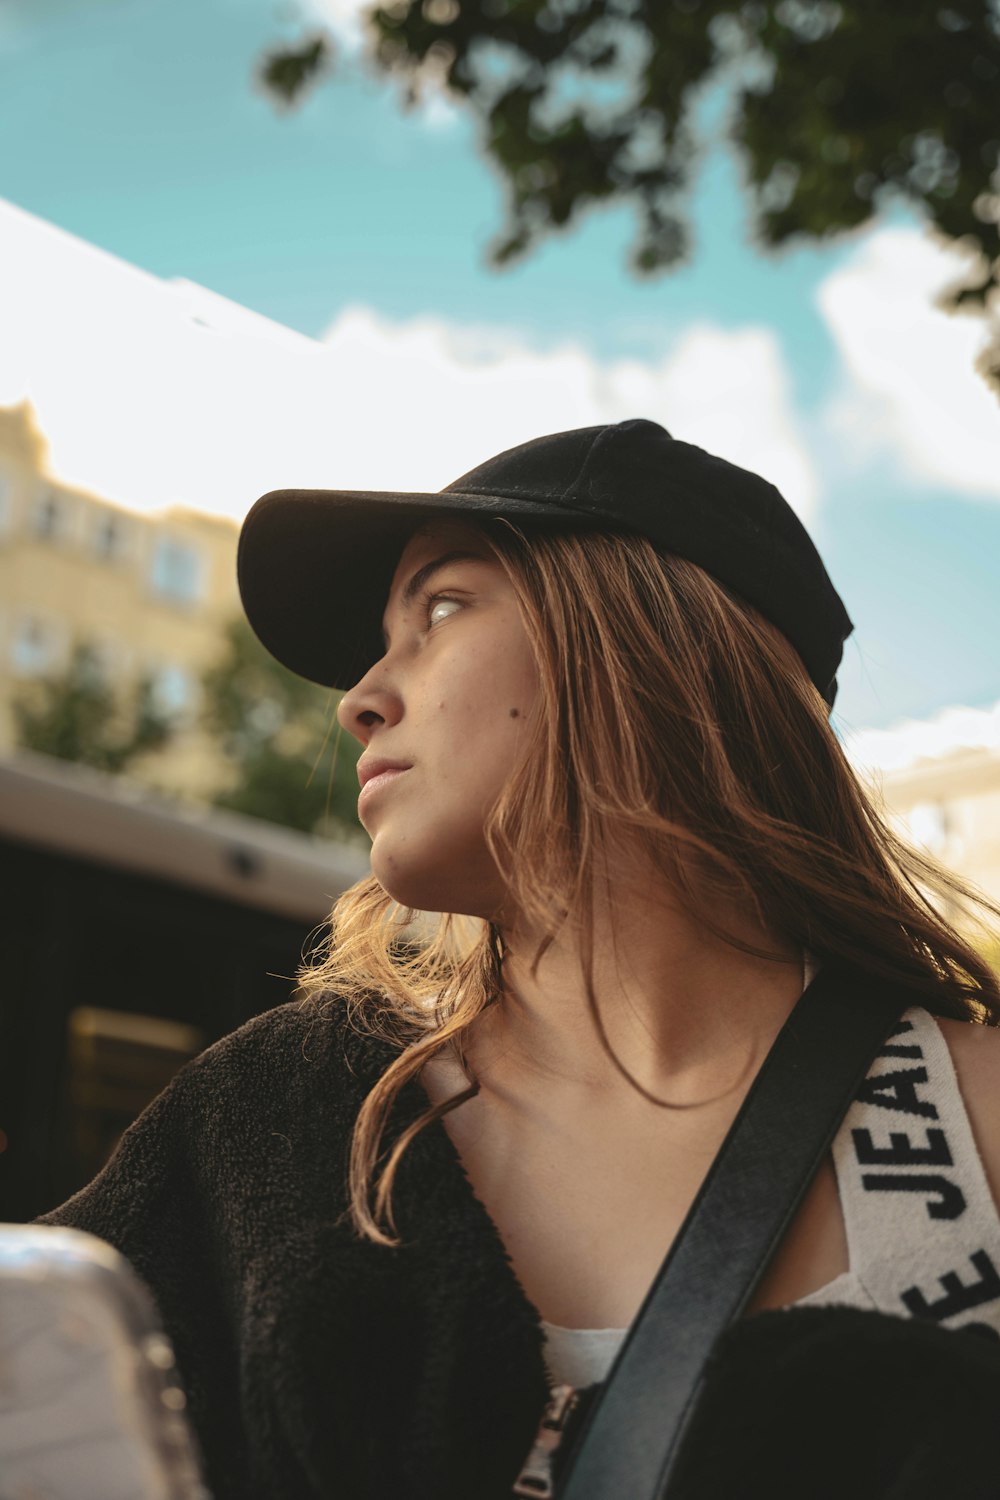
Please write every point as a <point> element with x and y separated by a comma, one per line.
<point>688,1015</point>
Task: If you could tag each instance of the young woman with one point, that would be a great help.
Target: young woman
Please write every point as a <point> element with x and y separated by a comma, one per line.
<point>613,839</point>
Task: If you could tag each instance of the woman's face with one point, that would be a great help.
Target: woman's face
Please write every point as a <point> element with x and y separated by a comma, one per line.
<point>451,699</point>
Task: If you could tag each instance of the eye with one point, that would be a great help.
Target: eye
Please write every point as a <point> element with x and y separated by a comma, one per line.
<point>429,603</point>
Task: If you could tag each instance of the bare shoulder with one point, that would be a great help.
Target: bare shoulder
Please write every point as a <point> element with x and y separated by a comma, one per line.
<point>975,1053</point>
<point>975,1049</point>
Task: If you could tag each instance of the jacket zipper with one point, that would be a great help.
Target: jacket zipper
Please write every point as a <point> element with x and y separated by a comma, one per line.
<point>535,1479</point>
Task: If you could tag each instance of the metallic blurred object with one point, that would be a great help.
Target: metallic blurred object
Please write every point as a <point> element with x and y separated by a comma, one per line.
<point>91,1405</point>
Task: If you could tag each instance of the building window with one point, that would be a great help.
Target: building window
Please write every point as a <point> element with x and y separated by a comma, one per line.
<point>176,571</point>
<point>110,536</point>
<point>50,516</point>
<point>37,646</point>
<point>173,691</point>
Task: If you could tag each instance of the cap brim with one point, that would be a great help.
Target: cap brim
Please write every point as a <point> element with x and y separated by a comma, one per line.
<point>315,567</point>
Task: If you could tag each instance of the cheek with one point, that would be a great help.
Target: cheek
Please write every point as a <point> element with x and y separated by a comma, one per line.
<point>477,706</point>
<point>520,696</point>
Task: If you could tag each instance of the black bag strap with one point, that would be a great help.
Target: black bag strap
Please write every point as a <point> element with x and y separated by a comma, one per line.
<point>632,1430</point>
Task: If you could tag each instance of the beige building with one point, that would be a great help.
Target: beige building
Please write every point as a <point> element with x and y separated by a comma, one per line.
<point>939,781</point>
<point>952,807</point>
<point>147,594</point>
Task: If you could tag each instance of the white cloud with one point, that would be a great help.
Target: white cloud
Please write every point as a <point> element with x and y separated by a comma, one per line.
<point>913,740</point>
<point>157,392</point>
<point>344,18</point>
<point>456,395</point>
<point>911,390</point>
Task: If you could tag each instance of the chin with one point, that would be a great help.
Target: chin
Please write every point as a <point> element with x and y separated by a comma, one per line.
<point>451,883</point>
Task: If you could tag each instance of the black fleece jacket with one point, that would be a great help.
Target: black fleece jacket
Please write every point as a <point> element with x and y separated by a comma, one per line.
<point>321,1367</point>
<point>317,1364</point>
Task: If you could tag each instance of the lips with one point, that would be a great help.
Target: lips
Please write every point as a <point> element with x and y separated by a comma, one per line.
<point>369,768</point>
<point>375,785</point>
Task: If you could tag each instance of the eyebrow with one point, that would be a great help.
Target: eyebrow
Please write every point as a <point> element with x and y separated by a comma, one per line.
<point>427,571</point>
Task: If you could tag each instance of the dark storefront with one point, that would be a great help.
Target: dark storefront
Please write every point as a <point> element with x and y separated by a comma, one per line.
<point>135,934</point>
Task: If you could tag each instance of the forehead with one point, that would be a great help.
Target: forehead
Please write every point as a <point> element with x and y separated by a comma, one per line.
<point>435,537</point>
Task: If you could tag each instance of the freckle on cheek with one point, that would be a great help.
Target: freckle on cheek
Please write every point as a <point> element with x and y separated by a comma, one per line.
<point>515,713</point>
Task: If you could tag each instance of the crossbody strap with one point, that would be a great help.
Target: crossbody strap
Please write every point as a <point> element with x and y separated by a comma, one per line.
<point>774,1147</point>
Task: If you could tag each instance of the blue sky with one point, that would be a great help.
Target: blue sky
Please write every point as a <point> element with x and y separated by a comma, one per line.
<point>155,144</point>
<point>134,126</point>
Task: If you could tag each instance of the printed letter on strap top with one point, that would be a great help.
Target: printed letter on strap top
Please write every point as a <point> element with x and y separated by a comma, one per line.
<point>923,1232</point>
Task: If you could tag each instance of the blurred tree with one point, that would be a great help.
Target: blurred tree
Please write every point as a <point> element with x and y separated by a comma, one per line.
<point>835,105</point>
<point>78,715</point>
<point>293,765</point>
<point>287,72</point>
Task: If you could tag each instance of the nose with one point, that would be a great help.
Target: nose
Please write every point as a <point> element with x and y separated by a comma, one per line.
<point>370,701</point>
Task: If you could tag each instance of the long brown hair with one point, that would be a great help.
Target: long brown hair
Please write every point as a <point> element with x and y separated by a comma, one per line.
<point>673,714</point>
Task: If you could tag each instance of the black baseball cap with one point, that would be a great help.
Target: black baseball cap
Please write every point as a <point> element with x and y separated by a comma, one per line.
<point>315,566</point>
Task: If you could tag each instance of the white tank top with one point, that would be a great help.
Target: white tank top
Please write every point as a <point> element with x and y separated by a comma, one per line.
<point>923,1232</point>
